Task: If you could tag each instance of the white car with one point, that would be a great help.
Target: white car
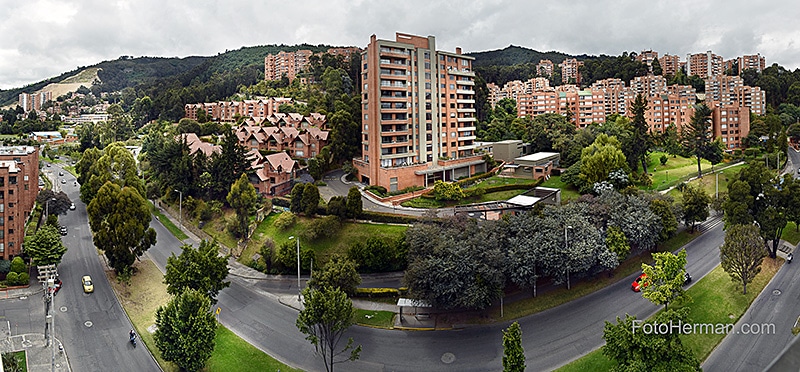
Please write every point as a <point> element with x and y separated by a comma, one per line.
<point>72,207</point>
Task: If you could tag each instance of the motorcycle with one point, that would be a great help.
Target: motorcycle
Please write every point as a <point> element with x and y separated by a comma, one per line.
<point>133,339</point>
<point>789,258</point>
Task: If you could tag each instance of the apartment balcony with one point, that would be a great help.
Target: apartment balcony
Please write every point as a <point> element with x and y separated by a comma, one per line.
<point>463,72</point>
<point>395,143</point>
<point>394,53</point>
<point>464,129</point>
<point>462,91</point>
<point>466,120</point>
<point>396,156</point>
<point>466,138</point>
<point>465,101</point>
<point>463,110</point>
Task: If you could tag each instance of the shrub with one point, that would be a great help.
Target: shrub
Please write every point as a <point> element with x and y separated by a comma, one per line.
<point>321,228</point>
<point>377,292</point>
<point>266,252</point>
<point>18,265</point>
<point>12,278</point>
<point>377,190</point>
<point>23,279</point>
<point>378,255</point>
<point>281,202</point>
<point>5,266</point>
<point>285,257</point>
<point>388,217</point>
<point>663,159</point>
<point>285,220</point>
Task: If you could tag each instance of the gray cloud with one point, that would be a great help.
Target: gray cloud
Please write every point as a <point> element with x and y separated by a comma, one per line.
<point>43,38</point>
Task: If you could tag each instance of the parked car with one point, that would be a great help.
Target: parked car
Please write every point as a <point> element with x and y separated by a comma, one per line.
<point>640,283</point>
<point>60,173</point>
<point>57,286</point>
<point>72,207</point>
<point>62,230</point>
<point>88,287</point>
<point>63,180</point>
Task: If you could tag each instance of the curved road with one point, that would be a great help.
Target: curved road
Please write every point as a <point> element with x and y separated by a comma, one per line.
<point>551,338</point>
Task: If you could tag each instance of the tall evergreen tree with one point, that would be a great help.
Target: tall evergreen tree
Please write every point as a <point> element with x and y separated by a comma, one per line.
<point>641,141</point>
<point>697,135</point>
<point>513,354</point>
<point>227,165</point>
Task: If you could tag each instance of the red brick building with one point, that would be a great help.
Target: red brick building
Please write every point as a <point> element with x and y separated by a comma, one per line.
<point>19,179</point>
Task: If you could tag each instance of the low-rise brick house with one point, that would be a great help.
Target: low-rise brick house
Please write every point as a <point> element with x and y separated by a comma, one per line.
<point>299,136</point>
<point>19,175</point>
<point>196,144</point>
<point>273,173</point>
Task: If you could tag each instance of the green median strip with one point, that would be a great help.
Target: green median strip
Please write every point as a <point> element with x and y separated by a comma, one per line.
<point>175,230</point>
<point>374,318</point>
<point>715,300</point>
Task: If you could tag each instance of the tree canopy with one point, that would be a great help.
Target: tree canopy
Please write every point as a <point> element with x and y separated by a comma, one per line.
<point>200,268</point>
<point>186,330</point>
<point>45,246</point>
<point>326,315</point>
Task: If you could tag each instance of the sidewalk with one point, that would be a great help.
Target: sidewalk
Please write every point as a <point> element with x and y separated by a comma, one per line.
<point>39,357</point>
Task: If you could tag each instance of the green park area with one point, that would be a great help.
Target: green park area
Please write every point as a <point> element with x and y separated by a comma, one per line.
<point>715,299</point>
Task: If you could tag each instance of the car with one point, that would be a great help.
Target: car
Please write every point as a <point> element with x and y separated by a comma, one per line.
<point>72,207</point>
<point>48,165</point>
<point>62,230</point>
<point>88,287</point>
<point>63,180</point>
<point>640,283</point>
<point>56,286</point>
<point>60,173</point>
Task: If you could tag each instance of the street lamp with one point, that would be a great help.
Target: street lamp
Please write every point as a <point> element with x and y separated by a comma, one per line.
<point>47,207</point>
<point>180,208</point>
<point>566,244</point>
<point>298,266</point>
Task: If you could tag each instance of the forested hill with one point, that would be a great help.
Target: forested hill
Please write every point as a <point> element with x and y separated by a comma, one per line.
<point>128,71</point>
<point>515,55</point>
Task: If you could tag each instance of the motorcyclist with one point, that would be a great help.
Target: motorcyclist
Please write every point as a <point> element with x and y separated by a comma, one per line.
<point>132,335</point>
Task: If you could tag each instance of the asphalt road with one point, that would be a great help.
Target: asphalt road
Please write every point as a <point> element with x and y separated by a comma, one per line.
<point>92,327</point>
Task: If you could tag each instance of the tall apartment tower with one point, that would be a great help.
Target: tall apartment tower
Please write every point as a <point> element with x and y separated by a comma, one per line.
<point>704,64</point>
<point>19,185</point>
<point>418,106</point>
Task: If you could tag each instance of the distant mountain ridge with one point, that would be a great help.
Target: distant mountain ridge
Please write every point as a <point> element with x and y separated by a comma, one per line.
<point>516,55</point>
<point>127,71</point>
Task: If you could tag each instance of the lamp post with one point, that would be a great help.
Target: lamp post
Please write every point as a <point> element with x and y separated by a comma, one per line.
<point>180,208</point>
<point>47,207</point>
<point>298,266</point>
<point>566,244</point>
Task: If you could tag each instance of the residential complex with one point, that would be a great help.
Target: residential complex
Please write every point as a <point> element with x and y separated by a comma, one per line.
<point>34,101</point>
<point>299,136</point>
<point>418,123</point>
<point>19,178</point>
<point>704,64</point>
<point>223,111</point>
<point>290,64</point>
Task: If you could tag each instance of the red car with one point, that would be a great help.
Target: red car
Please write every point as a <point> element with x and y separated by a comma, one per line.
<point>639,283</point>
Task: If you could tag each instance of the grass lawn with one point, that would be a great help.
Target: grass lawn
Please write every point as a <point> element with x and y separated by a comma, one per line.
<point>567,192</point>
<point>231,353</point>
<point>324,248</point>
<point>790,233</point>
<point>715,299</point>
<point>146,292</point>
<point>175,230</point>
<point>382,319</point>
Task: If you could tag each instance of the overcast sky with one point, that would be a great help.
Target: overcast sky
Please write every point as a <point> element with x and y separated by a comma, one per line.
<point>40,39</point>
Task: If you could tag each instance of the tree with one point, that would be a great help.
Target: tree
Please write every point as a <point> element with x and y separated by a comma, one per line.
<point>639,145</point>
<point>337,206</point>
<point>695,205</point>
<point>636,350</point>
<point>617,243</point>
<point>742,253</point>
<point>669,224</point>
<point>697,136</point>
<point>120,220</point>
<point>242,198</point>
<point>228,165</point>
<point>116,164</point>
<point>354,205</point>
<point>601,158</point>
<point>58,206</point>
<point>338,273</point>
<point>186,330</point>
<point>326,315</point>
<point>664,282</point>
<point>310,199</point>
<point>202,269</point>
<point>513,354</point>
<point>296,203</point>
<point>45,247</point>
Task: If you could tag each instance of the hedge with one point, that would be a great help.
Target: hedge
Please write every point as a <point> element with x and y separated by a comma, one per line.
<point>376,292</point>
<point>388,217</point>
